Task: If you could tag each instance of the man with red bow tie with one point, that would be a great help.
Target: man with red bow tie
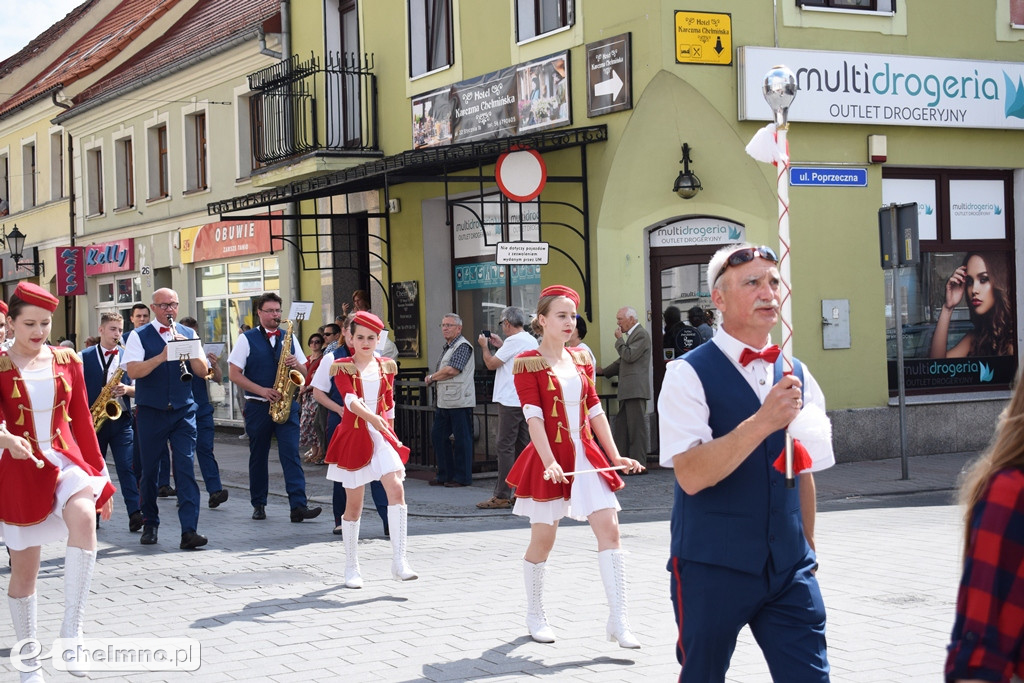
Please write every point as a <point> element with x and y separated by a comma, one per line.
<point>252,366</point>
<point>742,542</point>
<point>99,365</point>
<point>166,412</point>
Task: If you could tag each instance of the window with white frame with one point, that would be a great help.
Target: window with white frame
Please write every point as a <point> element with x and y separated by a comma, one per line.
<point>1017,13</point>
<point>124,173</point>
<point>887,6</point>
<point>159,175</point>
<point>5,185</point>
<point>119,294</point>
<point>94,181</point>
<point>57,165</point>
<point>537,17</point>
<point>243,140</point>
<point>430,35</point>
<point>196,150</point>
<point>28,177</point>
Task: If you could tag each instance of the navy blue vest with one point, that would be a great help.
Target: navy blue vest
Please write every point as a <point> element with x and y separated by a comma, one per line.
<point>749,518</point>
<point>261,364</point>
<point>95,379</point>
<point>162,389</point>
<point>333,419</point>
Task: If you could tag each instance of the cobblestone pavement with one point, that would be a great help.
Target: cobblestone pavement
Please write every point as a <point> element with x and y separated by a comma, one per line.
<point>265,600</point>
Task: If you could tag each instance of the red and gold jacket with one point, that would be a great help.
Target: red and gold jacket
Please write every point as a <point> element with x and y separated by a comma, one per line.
<point>351,447</point>
<point>26,492</point>
<point>538,385</point>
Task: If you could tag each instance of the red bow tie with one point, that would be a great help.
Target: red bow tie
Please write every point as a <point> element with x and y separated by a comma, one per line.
<point>770,353</point>
<point>164,330</point>
<point>275,333</point>
<point>111,352</point>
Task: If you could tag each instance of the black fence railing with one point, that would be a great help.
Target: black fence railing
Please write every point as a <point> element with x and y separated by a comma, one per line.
<point>314,105</point>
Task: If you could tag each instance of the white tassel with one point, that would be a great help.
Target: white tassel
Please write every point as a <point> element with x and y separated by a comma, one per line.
<point>814,430</point>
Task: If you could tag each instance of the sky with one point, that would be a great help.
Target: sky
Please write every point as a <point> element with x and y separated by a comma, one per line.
<point>23,20</point>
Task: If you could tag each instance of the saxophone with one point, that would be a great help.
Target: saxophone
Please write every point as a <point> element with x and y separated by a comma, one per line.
<point>287,381</point>
<point>106,407</point>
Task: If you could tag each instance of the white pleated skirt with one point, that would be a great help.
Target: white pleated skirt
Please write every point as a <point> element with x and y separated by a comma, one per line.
<point>385,460</point>
<point>589,493</point>
<point>70,481</point>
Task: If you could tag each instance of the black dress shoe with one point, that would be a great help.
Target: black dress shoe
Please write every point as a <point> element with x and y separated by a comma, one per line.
<point>218,497</point>
<point>302,512</point>
<point>435,482</point>
<point>148,535</point>
<point>135,521</point>
<point>166,492</point>
<point>259,512</point>
<point>191,540</point>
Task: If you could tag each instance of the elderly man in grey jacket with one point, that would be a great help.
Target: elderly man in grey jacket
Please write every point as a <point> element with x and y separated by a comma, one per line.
<point>633,344</point>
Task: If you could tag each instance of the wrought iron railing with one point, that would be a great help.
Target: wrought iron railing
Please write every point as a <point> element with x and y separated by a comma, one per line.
<point>300,107</point>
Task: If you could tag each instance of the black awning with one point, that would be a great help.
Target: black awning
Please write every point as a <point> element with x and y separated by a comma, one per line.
<point>433,164</point>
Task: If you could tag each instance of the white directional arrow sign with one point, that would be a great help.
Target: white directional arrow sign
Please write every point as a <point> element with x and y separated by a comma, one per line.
<point>613,86</point>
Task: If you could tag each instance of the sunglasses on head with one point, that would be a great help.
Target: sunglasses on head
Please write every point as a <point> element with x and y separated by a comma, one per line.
<point>741,256</point>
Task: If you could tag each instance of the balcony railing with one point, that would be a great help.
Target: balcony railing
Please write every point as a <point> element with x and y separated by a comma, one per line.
<point>303,107</point>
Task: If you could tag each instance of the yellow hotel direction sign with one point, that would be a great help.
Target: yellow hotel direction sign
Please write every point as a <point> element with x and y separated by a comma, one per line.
<point>703,38</point>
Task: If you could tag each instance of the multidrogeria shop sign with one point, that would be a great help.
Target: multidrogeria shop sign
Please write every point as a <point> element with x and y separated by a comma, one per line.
<point>701,231</point>
<point>950,373</point>
<point>887,90</point>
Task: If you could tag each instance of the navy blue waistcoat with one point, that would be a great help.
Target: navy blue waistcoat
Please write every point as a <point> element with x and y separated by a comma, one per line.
<point>750,518</point>
<point>162,389</point>
<point>261,363</point>
<point>95,379</point>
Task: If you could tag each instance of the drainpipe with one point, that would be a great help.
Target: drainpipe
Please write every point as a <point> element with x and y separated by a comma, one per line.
<point>291,226</point>
<point>264,50</point>
<point>70,307</point>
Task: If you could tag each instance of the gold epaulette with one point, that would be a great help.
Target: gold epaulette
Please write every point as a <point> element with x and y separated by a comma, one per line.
<point>529,364</point>
<point>6,364</point>
<point>348,367</point>
<point>580,357</point>
<point>65,356</point>
<point>388,366</point>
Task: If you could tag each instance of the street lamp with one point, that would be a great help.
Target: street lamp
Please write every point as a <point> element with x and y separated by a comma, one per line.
<point>14,241</point>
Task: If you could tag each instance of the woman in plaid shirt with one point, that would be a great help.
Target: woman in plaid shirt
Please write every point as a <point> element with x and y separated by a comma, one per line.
<point>989,629</point>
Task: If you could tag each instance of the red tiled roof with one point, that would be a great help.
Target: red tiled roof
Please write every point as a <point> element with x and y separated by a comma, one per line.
<point>109,37</point>
<point>45,39</point>
<point>202,28</point>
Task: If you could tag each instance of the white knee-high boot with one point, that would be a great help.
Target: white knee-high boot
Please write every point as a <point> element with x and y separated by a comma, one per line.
<point>350,537</point>
<point>536,620</point>
<point>78,566</point>
<point>23,614</point>
<point>398,516</point>
<point>613,575</point>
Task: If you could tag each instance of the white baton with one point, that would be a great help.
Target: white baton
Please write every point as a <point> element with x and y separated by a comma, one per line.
<point>547,475</point>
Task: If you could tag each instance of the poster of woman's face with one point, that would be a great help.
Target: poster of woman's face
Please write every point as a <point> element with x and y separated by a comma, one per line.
<point>974,307</point>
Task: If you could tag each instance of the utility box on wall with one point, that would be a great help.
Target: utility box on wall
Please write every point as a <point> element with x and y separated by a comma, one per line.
<point>835,323</point>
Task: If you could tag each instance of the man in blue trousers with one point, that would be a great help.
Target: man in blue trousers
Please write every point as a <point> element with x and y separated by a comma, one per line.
<point>99,365</point>
<point>742,542</point>
<point>204,425</point>
<point>252,366</point>
<point>166,412</point>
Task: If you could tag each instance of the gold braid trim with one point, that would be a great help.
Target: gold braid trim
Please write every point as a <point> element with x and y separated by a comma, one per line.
<point>389,366</point>
<point>65,356</point>
<point>347,368</point>
<point>529,364</point>
<point>6,364</point>
<point>580,357</point>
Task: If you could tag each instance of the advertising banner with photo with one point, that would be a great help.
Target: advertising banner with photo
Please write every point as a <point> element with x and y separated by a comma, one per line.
<point>887,90</point>
<point>517,99</point>
<point>959,328</point>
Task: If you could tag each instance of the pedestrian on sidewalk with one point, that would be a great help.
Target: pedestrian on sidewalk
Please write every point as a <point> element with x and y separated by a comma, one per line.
<point>53,479</point>
<point>166,412</point>
<point>365,448</point>
<point>204,425</point>
<point>988,634</point>
<point>513,434</point>
<point>455,395</point>
<point>564,413</point>
<point>723,410</point>
<point>253,366</point>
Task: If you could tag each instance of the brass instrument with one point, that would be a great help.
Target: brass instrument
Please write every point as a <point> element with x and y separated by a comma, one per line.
<point>287,381</point>
<point>186,376</point>
<point>106,407</point>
